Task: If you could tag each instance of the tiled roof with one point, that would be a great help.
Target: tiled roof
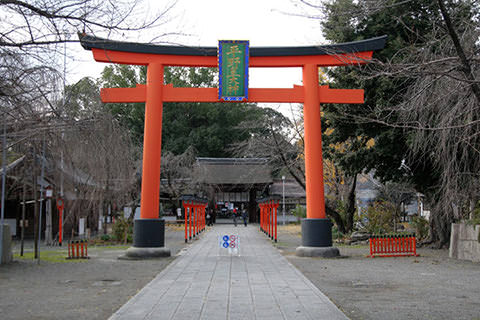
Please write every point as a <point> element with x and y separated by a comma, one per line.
<point>233,171</point>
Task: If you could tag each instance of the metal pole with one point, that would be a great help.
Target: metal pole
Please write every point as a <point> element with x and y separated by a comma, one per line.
<point>4,172</point>
<point>60,213</point>
<point>42,174</point>
<point>283,196</point>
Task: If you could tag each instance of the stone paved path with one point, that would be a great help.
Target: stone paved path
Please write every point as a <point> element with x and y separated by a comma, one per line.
<point>207,282</point>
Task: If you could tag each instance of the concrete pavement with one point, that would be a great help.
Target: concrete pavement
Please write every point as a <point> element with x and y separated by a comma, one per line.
<point>207,282</point>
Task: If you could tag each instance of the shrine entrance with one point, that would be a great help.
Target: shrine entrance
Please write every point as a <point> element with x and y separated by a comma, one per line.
<point>233,87</point>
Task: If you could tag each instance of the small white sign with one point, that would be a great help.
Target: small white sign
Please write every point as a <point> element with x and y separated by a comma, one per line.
<point>229,243</point>
<point>81,226</point>
<point>13,225</point>
<point>127,211</point>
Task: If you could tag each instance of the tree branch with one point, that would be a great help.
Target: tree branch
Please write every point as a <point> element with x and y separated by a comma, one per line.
<point>467,69</point>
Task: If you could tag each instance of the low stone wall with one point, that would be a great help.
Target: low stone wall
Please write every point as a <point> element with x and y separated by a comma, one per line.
<point>465,242</point>
<point>7,245</point>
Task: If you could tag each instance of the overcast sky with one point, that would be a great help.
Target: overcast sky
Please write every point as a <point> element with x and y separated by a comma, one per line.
<point>263,22</point>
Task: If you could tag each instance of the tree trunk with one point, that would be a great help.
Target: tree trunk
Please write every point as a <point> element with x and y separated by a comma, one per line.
<point>351,209</point>
<point>471,209</point>
<point>337,218</point>
<point>442,226</point>
<point>24,198</point>
<point>467,68</point>
<point>439,230</point>
<point>48,223</point>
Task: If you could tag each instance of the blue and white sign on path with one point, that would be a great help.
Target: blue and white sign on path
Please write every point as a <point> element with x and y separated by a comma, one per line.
<point>229,243</point>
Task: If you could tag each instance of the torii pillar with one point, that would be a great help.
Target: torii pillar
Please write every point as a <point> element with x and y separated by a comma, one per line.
<point>316,228</point>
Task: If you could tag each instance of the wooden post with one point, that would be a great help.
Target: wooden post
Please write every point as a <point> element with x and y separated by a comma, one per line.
<point>275,232</point>
<point>185,209</point>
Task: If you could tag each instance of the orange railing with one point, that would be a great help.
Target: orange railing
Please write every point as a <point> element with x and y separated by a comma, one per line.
<point>194,210</point>
<point>78,249</point>
<point>268,216</point>
<point>393,246</point>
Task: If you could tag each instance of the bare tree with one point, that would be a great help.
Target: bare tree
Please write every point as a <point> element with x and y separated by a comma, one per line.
<point>33,38</point>
<point>438,104</point>
<point>441,110</point>
<point>177,175</point>
<point>398,194</point>
<point>41,23</point>
<point>280,140</point>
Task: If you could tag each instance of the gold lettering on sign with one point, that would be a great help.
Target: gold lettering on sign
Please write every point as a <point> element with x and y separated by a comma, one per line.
<point>234,56</point>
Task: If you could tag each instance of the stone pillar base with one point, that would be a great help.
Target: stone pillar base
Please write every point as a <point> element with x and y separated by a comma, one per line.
<point>135,253</point>
<point>148,240</point>
<point>317,239</point>
<point>316,233</point>
<point>149,233</point>
<point>324,252</point>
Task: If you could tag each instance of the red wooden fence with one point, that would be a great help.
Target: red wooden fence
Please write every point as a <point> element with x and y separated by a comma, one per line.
<point>194,210</point>
<point>393,246</point>
<point>78,249</point>
<point>268,216</point>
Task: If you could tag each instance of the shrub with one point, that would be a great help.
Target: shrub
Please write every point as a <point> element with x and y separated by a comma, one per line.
<point>336,234</point>
<point>380,218</point>
<point>119,228</point>
<point>105,237</point>
<point>475,219</point>
<point>300,212</point>
<point>421,227</point>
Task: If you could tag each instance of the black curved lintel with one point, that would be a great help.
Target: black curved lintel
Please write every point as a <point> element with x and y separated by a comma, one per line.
<point>90,42</point>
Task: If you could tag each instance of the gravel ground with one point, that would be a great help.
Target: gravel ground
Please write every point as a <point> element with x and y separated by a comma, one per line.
<point>431,286</point>
<point>88,289</point>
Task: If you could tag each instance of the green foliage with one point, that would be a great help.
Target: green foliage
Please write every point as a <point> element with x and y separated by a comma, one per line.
<point>421,227</point>
<point>53,256</point>
<point>336,234</point>
<point>346,21</point>
<point>475,216</point>
<point>130,115</point>
<point>380,218</point>
<point>82,99</point>
<point>341,208</point>
<point>121,226</point>
<point>300,212</point>
<point>105,237</point>
<point>210,128</point>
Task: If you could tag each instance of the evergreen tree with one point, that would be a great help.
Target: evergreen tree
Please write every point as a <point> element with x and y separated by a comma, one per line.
<point>210,128</point>
<point>416,30</point>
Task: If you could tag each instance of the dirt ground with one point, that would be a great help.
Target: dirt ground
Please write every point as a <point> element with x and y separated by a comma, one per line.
<point>86,289</point>
<point>431,286</point>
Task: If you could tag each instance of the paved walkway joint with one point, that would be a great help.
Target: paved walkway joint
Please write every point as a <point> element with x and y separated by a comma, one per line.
<point>206,282</point>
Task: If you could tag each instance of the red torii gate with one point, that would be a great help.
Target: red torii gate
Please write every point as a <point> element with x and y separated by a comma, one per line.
<point>316,228</point>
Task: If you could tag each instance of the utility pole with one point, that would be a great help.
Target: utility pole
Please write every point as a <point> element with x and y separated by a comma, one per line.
<point>42,175</point>
<point>283,196</point>
<point>4,173</point>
